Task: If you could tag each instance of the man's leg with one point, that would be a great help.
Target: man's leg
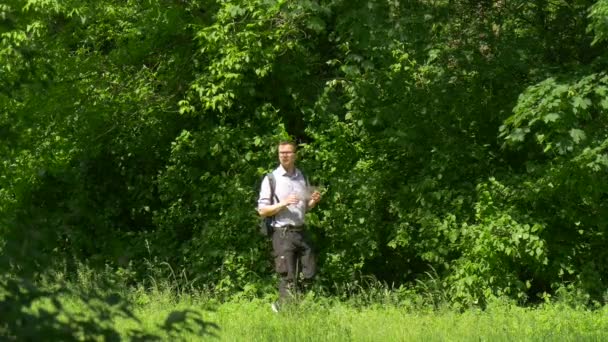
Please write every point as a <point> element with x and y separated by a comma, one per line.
<point>285,263</point>
<point>287,282</point>
<point>308,260</point>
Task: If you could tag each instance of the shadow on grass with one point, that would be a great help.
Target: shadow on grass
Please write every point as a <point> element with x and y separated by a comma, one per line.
<point>31,313</point>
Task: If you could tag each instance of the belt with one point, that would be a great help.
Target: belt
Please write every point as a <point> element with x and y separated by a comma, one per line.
<point>292,228</point>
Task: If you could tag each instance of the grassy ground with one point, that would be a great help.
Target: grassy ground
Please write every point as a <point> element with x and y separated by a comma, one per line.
<point>327,320</point>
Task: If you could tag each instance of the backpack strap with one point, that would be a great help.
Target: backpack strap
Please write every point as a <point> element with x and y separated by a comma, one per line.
<point>272,183</point>
<point>273,195</point>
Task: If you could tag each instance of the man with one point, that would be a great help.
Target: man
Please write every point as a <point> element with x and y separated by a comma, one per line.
<point>290,240</point>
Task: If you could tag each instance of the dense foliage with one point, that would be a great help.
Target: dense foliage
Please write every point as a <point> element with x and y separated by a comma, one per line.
<point>464,137</point>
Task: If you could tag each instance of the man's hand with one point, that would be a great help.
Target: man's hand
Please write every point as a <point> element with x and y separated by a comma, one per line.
<point>315,197</point>
<point>291,199</point>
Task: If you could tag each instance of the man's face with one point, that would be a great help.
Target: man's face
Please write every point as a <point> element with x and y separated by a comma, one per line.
<point>287,155</point>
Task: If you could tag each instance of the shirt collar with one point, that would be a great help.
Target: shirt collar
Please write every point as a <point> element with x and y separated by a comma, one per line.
<point>283,172</point>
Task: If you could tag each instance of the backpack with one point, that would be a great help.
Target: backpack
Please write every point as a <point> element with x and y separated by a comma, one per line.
<point>266,228</point>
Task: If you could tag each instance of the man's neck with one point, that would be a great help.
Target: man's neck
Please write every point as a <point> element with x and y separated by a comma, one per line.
<point>290,170</point>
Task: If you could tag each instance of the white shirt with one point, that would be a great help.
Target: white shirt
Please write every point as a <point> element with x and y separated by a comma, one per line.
<point>286,185</point>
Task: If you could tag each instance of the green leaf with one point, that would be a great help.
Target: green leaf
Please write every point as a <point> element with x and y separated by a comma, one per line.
<point>552,117</point>
<point>350,70</point>
<point>601,90</point>
<point>316,24</point>
<point>577,135</point>
<point>519,134</point>
<point>581,102</point>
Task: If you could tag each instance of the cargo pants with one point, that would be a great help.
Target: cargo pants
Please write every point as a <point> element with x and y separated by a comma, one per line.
<point>293,253</point>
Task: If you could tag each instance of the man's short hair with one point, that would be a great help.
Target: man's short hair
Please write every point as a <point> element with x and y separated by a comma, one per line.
<point>289,142</point>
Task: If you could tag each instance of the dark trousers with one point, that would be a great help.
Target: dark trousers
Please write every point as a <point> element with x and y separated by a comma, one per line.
<point>293,253</point>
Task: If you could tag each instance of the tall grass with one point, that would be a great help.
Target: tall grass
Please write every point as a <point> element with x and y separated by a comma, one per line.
<point>367,311</point>
<point>323,319</point>
<point>318,318</point>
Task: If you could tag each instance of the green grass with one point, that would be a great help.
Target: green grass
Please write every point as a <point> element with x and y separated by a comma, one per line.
<point>329,320</point>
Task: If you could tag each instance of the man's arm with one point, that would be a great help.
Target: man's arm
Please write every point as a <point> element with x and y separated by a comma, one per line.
<point>265,209</point>
<point>272,209</point>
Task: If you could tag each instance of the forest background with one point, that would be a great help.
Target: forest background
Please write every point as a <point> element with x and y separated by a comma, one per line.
<point>460,143</point>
